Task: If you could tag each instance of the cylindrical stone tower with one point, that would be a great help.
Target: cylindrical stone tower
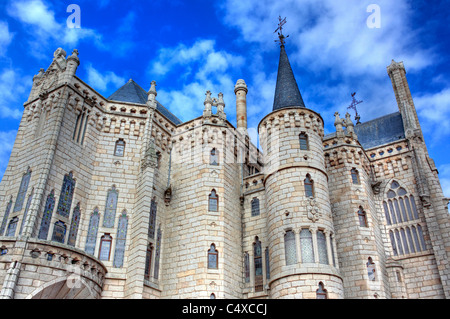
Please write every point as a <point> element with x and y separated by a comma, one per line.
<point>240,89</point>
<point>300,229</point>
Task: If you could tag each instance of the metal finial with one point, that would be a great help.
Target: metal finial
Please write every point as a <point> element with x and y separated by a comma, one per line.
<point>281,37</point>
<point>353,107</point>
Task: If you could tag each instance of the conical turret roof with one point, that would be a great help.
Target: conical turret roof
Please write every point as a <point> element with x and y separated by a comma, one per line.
<point>287,93</point>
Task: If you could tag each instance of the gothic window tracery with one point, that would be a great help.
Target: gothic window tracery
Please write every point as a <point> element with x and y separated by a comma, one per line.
<point>65,198</point>
<point>59,232</point>
<point>403,222</point>
<point>257,258</point>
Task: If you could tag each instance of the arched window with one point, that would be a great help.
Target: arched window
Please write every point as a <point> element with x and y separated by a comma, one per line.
<point>119,253</point>
<point>255,206</point>
<point>157,252</point>
<point>105,247</point>
<point>213,203</point>
<point>65,198</point>
<point>47,216</point>
<point>355,176</point>
<point>306,245</point>
<point>309,186</point>
<point>289,248</point>
<point>25,213</point>
<point>266,255</point>
<point>148,262</point>
<point>22,191</point>
<point>362,216</point>
<point>91,238</point>
<point>120,148</point>
<point>74,226</point>
<point>12,226</point>
<point>403,222</point>
<point>110,207</point>
<point>322,247</point>
<point>214,157</point>
<point>303,138</point>
<point>213,257</point>
<point>212,296</point>
<point>371,269</point>
<point>257,257</point>
<point>321,292</point>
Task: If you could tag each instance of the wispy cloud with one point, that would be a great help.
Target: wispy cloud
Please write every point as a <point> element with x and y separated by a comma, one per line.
<point>5,37</point>
<point>12,87</point>
<point>39,20</point>
<point>103,81</point>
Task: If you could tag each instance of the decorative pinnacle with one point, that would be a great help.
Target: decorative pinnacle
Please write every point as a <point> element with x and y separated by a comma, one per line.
<point>281,37</point>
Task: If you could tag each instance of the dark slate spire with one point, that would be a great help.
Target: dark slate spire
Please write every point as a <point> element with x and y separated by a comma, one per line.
<point>287,93</point>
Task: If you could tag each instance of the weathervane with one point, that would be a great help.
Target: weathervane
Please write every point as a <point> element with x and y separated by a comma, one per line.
<point>353,106</point>
<point>280,33</point>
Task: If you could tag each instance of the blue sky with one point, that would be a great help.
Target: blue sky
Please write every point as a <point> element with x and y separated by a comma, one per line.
<point>189,47</point>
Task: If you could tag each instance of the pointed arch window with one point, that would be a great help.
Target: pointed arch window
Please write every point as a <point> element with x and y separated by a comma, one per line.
<point>12,226</point>
<point>22,191</point>
<point>212,296</point>
<point>266,254</point>
<point>74,226</point>
<point>47,216</point>
<point>91,238</point>
<point>119,150</point>
<point>65,198</point>
<point>403,222</point>
<point>213,257</point>
<point>105,247</point>
<point>362,216</point>
<point>309,186</point>
<point>214,157</point>
<point>321,292</point>
<point>289,248</point>
<point>148,262</point>
<point>255,206</point>
<point>303,138</point>
<point>355,176</point>
<point>119,253</point>
<point>59,232</point>
<point>213,204</point>
<point>257,258</point>
<point>111,206</point>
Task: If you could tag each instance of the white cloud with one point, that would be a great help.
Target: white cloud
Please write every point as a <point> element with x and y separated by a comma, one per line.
<point>5,37</point>
<point>41,23</point>
<point>12,86</point>
<point>102,81</point>
<point>444,177</point>
<point>203,68</point>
